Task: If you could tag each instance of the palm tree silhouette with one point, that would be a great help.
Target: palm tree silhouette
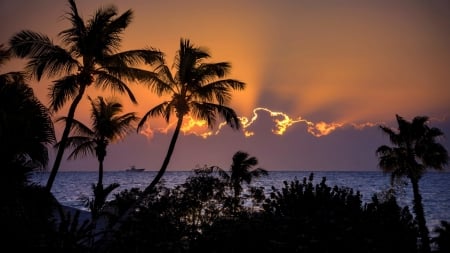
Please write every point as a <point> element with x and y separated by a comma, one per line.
<point>26,127</point>
<point>107,127</point>
<point>89,57</point>
<point>415,149</point>
<point>196,89</point>
<point>241,171</point>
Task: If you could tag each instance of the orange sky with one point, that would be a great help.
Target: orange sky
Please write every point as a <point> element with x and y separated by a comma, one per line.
<point>321,66</point>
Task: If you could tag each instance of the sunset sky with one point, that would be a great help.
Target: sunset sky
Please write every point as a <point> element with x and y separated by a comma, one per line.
<point>321,76</point>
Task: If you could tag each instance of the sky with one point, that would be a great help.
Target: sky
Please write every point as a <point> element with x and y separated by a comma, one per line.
<point>321,77</point>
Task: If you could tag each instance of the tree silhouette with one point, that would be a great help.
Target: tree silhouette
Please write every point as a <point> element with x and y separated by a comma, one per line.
<point>197,89</point>
<point>89,56</point>
<point>26,127</point>
<point>241,171</point>
<point>414,150</point>
<point>107,126</point>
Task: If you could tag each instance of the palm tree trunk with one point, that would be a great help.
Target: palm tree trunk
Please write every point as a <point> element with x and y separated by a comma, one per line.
<point>100,171</point>
<point>166,159</point>
<point>62,147</point>
<point>420,217</point>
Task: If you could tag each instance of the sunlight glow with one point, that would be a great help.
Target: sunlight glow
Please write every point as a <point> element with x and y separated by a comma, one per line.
<point>281,123</point>
<point>322,128</point>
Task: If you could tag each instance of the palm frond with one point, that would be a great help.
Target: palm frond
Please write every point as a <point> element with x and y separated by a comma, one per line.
<point>148,78</point>
<point>126,119</point>
<point>187,60</point>
<point>78,27</point>
<point>38,153</point>
<point>207,111</point>
<point>77,128</point>
<point>229,115</point>
<point>165,73</point>
<point>96,108</point>
<point>207,72</point>
<point>53,63</point>
<point>102,39</point>
<point>45,56</point>
<point>159,110</point>
<point>204,111</point>
<point>394,137</point>
<point>82,146</point>
<point>434,155</point>
<point>106,81</point>
<point>434,133</point>
<point>25,126</point>
<point>122,126</point>
<point>220,90</point>
<point>27,43</point>
<point>116,26</point>
<point>63,90</point>
<point>148,56</point>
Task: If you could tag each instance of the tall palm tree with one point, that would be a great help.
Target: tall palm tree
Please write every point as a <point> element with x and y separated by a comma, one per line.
<point>89,56</point>
<point>26,127</point>
<point>241,171</point>
<point>197,89</point>
<point>107,127</point>
<point>415,150</point>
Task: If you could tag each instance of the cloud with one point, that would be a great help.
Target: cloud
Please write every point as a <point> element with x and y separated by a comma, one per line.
<point>279,123</point>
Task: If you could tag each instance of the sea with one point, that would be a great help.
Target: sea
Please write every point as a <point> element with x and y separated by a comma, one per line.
<point>70,188</point>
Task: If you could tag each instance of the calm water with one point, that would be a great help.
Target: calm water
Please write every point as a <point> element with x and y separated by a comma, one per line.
<point>435,187</point>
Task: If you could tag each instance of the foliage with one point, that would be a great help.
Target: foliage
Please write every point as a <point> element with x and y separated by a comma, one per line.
<point>415,149</point>
<point>301,217</point>
<point>25,127</point>
<point>89,56</point>
<point>241,171</point>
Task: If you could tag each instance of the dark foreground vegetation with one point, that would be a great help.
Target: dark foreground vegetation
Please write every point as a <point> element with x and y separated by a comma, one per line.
<point>204,215</point>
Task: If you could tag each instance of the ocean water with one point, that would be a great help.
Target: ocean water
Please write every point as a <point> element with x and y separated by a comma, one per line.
<point>70,187</point>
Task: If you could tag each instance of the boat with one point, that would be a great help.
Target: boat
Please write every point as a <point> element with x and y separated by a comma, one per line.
<point>134,169</point>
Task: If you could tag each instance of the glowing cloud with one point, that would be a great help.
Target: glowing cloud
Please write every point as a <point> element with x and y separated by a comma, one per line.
<point>281,123</point>
<point>322,128</point>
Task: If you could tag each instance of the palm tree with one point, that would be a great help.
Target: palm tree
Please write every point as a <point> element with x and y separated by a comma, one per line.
<point>107,127</point>
<point>26,127</point>
<point>241,171</point>
<point>89,56</point>
<point>415,150</point>
<point>196,89</point>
